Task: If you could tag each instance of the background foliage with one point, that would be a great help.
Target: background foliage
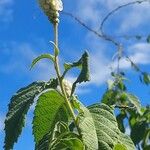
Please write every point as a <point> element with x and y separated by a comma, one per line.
<point>116,96</point>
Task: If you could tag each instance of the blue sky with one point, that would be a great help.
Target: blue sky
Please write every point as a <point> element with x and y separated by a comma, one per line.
<point>25,33</point>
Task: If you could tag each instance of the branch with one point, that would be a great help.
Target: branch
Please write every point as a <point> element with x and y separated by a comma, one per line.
<point>123,107</point>
<point>118,8</point>
<point>104,37</point>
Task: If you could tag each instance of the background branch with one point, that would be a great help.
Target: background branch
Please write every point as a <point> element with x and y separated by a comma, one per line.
<point>118,8</point>
<point>102,35</point>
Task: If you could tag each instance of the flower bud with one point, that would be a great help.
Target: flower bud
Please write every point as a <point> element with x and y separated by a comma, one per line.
<point>51,8</point>
<point>67,86</point>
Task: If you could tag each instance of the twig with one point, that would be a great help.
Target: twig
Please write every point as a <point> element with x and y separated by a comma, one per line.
<point>102,35</point>
<point>123,107</point>
<point>90,29</point>
<point>118,8</point>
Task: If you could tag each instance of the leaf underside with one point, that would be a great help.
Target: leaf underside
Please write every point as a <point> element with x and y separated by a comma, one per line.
<point>107,129</point>
<point>134,101</point>
<point>18,108</point>
<point>83,65</point>
<point>87,128</point>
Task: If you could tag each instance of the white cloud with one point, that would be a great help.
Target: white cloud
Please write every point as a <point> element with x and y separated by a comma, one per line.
<point>92,12</point>
<point>135,17</point>
<point>100,70</point>
<point>139,53</point>
<point>101,65</point>
<point>129,18</point>
<point>19,58</point>
<point>6,11</point>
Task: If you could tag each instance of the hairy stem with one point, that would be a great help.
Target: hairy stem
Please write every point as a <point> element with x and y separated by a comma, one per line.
<point>60,80</point>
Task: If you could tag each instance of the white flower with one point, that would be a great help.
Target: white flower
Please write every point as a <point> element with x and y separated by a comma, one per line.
<point>56,5</point>
<point>68,86</point>
<point>51,9</point>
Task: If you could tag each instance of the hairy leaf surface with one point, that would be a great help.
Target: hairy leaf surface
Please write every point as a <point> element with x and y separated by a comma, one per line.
<point>18,107</point>
<point>50,109</point>
<point>87,127</point>
<point>134,101</point>
<point>83,64</point>
<point>107,129</point>
<point>60,138</point>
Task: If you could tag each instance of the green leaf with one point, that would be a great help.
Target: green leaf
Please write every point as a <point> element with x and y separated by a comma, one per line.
<point>84,66</point>
<point>148,39</point>
<point>147,147</point>
<point>107,129</point>
<point>84,74</point>
<point>56,50</point>
<point>60,138</point>
<point>77,64</point>
<point>126,140</point>
<point>43,56</point>
<point>138,37</point>
<point>86,126</point>
<point>18,107</point>
<point>134,101</point>
<point>50,109</point>
<point>138,132</point>
<point>133,65</point>
<point>110,84</point>
<point>109,97</point>
<point>120,147</point>
<point>146,78</point>
<point>146,138</point>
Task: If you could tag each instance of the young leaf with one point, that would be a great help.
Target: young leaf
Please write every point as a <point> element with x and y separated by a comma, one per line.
<point>18,107</point>
<point>109,97</point>
<point>43,56</point>
<point>50,109</point>
<point>60,138</point>
<point>77,64</point>
<point>148,39</point>
<point>87,128</point>
<point>56,50</point>
<point>107,129</point>
<point>133,100</point>
<point>146,78</point>
<point>133,65</point>
<point>138,37</point>
<point>82,64</point>
<point>84,74</point>
<point>120,147</point>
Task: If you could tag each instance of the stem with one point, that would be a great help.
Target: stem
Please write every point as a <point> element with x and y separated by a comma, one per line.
<point>60,80</point>
<point>120,49</point>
